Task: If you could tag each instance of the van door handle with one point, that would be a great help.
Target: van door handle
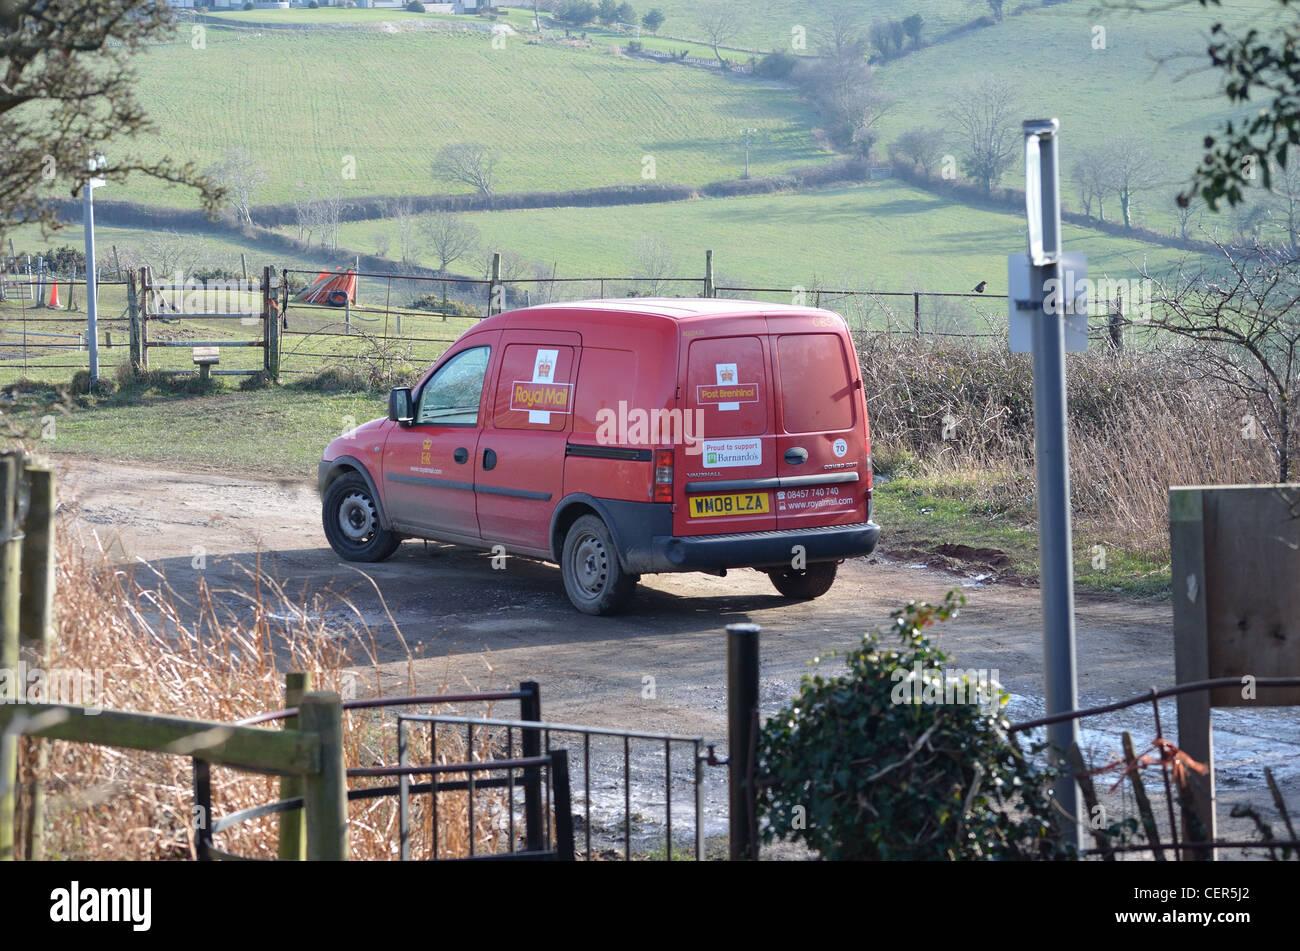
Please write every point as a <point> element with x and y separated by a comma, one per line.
<point>461,454</point>
<point>489,460</point>
<point>796,456</point>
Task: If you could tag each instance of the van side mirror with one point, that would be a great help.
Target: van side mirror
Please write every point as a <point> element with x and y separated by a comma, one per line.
<point>399,405</point>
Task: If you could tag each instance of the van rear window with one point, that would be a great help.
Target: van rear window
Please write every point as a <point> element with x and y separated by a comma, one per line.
<point>726,379</point>
<point>816,386</point>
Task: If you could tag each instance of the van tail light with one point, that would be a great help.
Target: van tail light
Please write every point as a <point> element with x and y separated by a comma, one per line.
<point>868,468</point>
<point>663,487</point>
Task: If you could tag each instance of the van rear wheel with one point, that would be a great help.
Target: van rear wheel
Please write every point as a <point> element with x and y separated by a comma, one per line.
<point>593,578</point>
<point>812,582</point>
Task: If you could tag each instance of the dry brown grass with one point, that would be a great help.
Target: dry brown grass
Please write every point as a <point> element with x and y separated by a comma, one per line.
<point>960,417</point>
<point>220,655</point>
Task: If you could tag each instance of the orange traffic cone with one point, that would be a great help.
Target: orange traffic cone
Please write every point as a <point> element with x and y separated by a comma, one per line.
<point>54,295</point>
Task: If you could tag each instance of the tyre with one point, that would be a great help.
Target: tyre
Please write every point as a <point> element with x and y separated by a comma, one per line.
<point>350,516</point>
<point>593,578</point>
<point>812,582</point>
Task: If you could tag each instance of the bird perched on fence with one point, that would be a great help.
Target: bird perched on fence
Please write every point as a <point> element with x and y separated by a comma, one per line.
<point>979,288</point>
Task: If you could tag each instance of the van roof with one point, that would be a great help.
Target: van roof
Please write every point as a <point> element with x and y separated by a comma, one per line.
<point>675,308</point>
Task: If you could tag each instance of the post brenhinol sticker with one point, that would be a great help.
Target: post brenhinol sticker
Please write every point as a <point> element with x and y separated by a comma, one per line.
<point>729,453</point>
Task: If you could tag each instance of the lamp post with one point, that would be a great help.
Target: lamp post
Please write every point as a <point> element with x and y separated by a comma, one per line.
<point>747,133</point>
<point>97,163</point>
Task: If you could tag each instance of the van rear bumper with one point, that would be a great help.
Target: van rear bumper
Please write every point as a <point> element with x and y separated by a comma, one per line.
<point>754,549</point>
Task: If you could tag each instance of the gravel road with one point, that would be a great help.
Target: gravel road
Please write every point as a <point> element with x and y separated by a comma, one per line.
<point>469,622</point>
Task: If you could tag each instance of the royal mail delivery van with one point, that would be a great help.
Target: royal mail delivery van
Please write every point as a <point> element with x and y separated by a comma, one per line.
<point>619,438</point>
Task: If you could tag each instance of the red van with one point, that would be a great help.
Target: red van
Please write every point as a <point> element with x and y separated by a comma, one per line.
<point>619,438</point>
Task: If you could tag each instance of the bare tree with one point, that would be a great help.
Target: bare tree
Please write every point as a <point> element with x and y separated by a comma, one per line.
<point>652,261</point>
<point>841,37</point>
<point>1094,176</point>
<point>922,147</point>
<point>721,20</point>
<point>322,212</point>
<point>1132,168</point>
<point>1285,185</point>
<point>468,163</point>
<point>840,85</point>
<point>1184,214</point>
<point>306,215</point>
<point>169,253</point>
<point>984,115</point>
<point>241,176</point>
<point>1243,317</point>
<point>67,87</point>
<point>402,213</point>
<point>450,236</point>
<point>383,241</point>
<point>513,266</point>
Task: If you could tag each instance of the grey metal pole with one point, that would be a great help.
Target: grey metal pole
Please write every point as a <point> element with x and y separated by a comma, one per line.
<point>742,732</point>
<point>1053,464</point>
<point>92,327</point>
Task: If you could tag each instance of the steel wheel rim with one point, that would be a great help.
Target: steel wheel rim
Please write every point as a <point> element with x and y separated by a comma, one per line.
<point>357,519</point>
<point>589,566</point>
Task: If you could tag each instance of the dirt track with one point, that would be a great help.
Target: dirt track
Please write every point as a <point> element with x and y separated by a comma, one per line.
<point>463,617</point>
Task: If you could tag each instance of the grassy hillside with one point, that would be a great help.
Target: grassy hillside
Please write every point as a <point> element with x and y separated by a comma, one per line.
<point>883,236</point>
<point>1148,81</point>
<point>561,117</point>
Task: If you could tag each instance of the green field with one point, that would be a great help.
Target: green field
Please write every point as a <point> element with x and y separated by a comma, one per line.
<point>1098,94</point>
<point>883,236</point>
<point>561,117</point>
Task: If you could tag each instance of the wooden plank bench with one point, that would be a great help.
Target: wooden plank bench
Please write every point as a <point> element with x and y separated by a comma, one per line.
<point>204,359</point>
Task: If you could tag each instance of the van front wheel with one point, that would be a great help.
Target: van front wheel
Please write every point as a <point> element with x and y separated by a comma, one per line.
<point>593,578</point>
<point>351,521</point>
<point>812,582</point>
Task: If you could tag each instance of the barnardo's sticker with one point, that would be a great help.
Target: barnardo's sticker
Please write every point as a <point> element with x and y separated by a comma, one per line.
<point>840,448</point>
<point>728,453</point>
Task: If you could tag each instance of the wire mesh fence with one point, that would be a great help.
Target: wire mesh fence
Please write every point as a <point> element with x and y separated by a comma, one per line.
<point>394,324</point>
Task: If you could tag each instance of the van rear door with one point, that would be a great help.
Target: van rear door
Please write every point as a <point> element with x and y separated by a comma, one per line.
<point>820,445</point>
<point>725,472</point>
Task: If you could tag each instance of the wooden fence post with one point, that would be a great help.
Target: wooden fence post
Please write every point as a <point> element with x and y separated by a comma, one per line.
<point>293,828</point>
<point>35,613</point>
<point>133,315</point>
<point>325,794</point>
<point>271,327</point>
<point>146,285</point>
<point>496,292</point>
<point>10,554</point>
<point>916,313</point>
<point>1115,324</point>
<point>710,289</point>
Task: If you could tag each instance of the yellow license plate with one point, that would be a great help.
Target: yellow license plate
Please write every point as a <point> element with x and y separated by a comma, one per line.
<point>744,503</point>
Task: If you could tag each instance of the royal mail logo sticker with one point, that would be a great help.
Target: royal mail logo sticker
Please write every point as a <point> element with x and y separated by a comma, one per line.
<point>541,398</point>
<point>729,392</point>
<point>731,453</point>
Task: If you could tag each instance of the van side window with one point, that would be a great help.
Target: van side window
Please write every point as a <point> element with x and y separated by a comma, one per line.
<point>452,395</point>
